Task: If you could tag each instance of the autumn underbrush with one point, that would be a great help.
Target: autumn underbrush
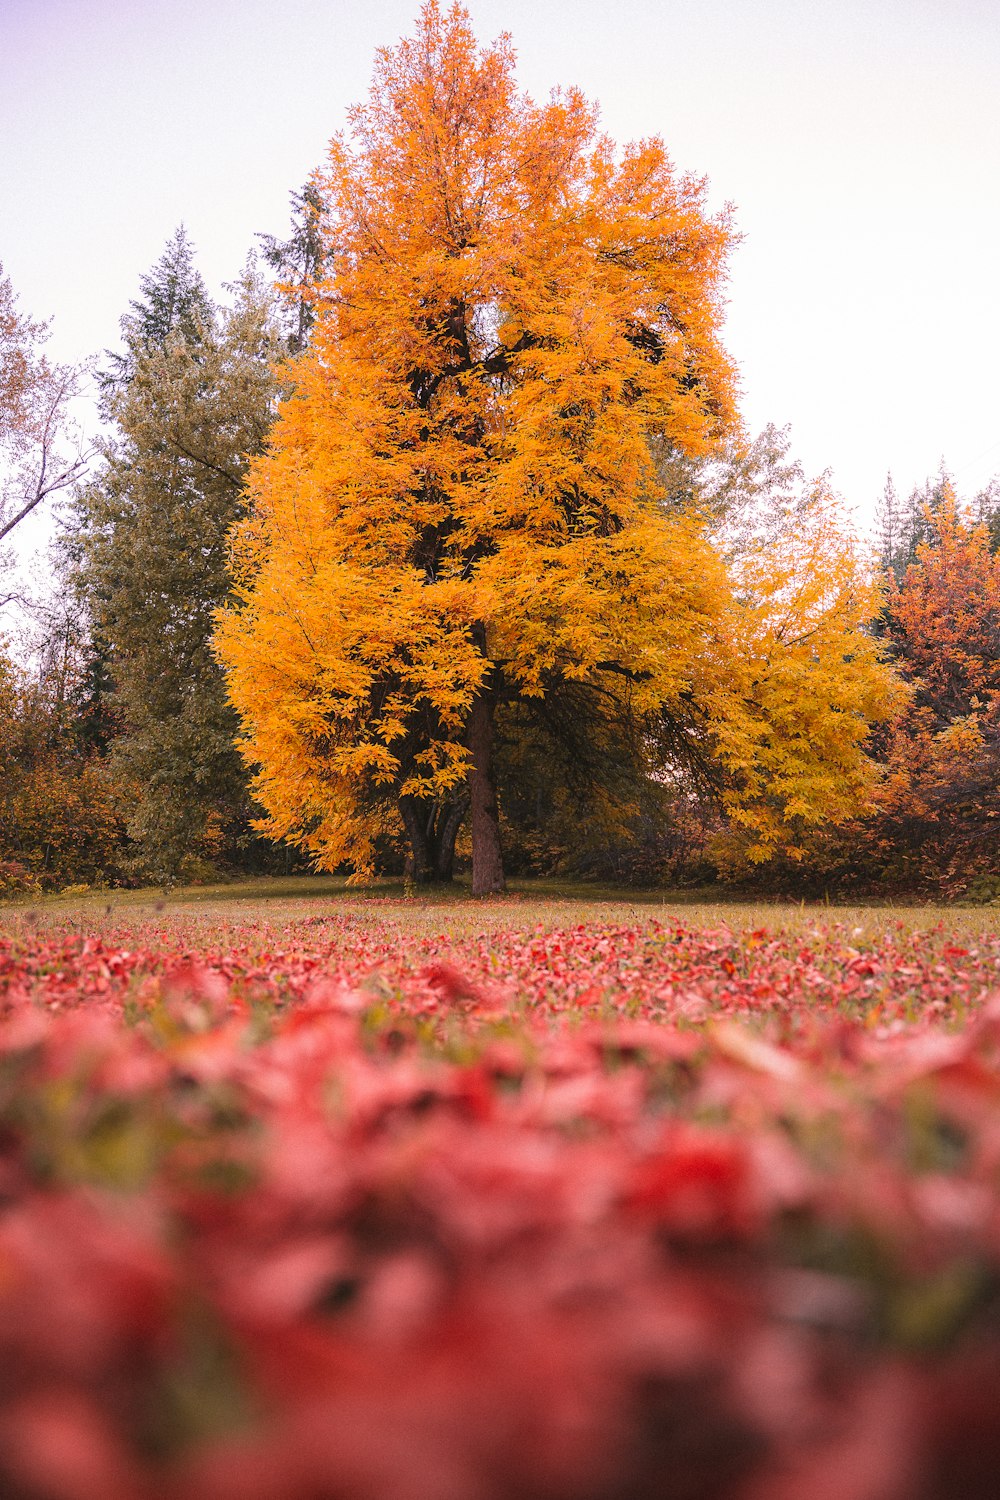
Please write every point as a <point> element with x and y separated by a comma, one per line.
<point>342,1197</point>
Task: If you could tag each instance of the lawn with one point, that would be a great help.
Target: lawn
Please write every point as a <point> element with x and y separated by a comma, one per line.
<point>314,1192</point>
<point>530,903</point>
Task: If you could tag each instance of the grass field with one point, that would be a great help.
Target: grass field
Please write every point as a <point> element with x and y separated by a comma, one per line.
<point>275,902</point>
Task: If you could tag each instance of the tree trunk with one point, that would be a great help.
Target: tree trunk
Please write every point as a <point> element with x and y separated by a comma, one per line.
<point>431,828</point>
<point>418,865</point>
<point>487,857</point>
<point>449,821</point>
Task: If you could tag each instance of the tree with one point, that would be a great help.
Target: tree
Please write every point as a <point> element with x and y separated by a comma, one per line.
<point>34,398</point>
<point>934,826</point>
<point>894,542</point>
<point>459,513</point>
<point>905,525</point>
<point>58,823</point>
<point>806,682</point>
<point>298,263</point>
<point>939,816</point>
<point>986,510</point>
<point>173,301</point>
<point>192,399</point>
<point>945,615</point>
<point>20,337</point>
<point>592,792</point>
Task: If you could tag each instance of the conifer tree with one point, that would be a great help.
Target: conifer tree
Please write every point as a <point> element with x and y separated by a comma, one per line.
<point>890,521</point>
<point>906,525</point>
<point>986,510</point>
<point>173,300</point>
<point>191,398</point>
<point>298,264</point>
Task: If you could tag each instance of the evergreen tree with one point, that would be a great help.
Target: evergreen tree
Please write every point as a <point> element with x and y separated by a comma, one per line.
<point>890,521</point>
<point>986,512</point>
<point>298,263</point>
<point>191,400</point>
<point>906,525</point>
<point>174,300</point>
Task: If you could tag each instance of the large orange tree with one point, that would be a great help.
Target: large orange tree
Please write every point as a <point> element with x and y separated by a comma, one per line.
<point>458,510</point>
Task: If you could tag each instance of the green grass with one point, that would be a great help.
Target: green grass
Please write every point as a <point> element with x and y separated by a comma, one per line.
<point>275,902</point>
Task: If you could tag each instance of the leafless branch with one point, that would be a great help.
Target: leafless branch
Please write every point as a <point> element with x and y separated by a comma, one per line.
<point>42,469</point>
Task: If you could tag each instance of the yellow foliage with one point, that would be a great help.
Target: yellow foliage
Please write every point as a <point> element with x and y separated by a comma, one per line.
<point>459,507</point>
<point>806,682</point>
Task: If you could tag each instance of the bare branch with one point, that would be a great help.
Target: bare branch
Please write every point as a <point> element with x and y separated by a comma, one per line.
<point>42,470</point>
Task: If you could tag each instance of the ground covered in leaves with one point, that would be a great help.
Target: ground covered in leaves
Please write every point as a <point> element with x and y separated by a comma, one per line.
<point>590,1213</point>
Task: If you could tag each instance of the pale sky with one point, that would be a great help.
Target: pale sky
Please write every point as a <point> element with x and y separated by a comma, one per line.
<point>859,141</point>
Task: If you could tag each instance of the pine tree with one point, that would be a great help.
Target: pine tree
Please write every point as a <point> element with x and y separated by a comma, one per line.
<point>986,511</point>
<point>916,518</point>
<point>173,300</point>
<point>192,400</point>
<point>298,263</point>
<point>893,550</point>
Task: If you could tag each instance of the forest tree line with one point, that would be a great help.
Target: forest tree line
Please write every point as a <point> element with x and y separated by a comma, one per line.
<point>285,638</point>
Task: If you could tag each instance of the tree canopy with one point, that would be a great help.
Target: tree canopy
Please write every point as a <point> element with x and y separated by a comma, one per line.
<point>191,399</point>
<point>459,509</point>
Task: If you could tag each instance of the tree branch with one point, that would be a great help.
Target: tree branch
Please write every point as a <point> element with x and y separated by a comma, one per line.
<point>37,481</point>
<point>206,463</point>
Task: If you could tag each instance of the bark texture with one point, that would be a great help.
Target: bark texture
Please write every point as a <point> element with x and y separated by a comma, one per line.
<point>487,856</point>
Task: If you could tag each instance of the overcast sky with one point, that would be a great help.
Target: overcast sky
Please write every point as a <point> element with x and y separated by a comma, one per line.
<point>859,141</point>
